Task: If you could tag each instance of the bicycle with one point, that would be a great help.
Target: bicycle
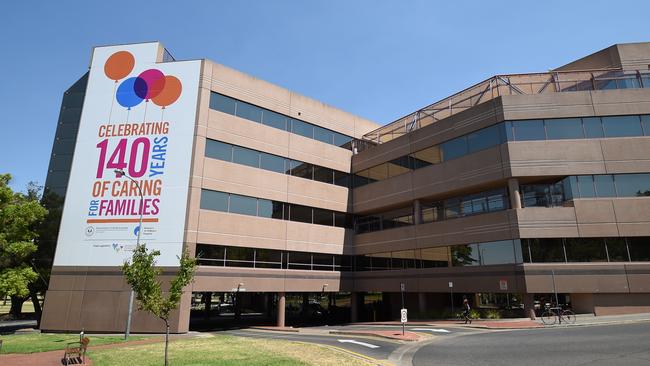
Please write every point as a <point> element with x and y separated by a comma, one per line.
<point>552,315</point>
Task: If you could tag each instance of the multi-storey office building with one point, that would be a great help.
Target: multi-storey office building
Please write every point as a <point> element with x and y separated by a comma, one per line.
<point>516,188</point>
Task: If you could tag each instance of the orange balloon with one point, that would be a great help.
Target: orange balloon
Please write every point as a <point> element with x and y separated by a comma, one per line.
<point>170,93</point>
<point>119,65</point>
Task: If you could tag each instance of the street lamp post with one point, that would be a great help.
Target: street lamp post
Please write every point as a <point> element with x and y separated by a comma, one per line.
<point>120,173</point>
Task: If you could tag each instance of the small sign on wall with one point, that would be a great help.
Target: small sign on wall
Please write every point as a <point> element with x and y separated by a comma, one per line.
<point>503,285</point>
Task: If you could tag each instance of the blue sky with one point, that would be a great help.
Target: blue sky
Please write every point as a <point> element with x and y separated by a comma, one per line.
<point>377,59</point>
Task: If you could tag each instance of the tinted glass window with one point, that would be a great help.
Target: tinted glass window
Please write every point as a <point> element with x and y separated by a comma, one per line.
<point>499,252</point>
<point>454,148</point>
<point>239,257</point>
<point>323,262</point>
<point>465,255</point>
<point>617,250</point>
<point>586,186</point>
<point>645,122</point>
<point>428,156</point>
<point>604,186</point>
<point>218,150</point>
<point>404,259</point>
<point>323,135</point>
<point>325,175</point>
<point>340,139</point>
<point>270,209</point>
<point>342,220</point>
<point>267,258</point>
<point>299,260</point>
<point>243,205</point>
<point>545,250</point>
<point>622,126</point>
<point>272,162</point>
<point>212,200</point>
<point>585,250</point>
<point>399,166</point>
<point>249,111</point>
<point>300,213</point>
<point>434,257</point>
<point>380,261</point>
<point>302,128</point>
<point>529,130</point>
<point>452,208</point>
<point>323,217</point>
<point>565,128</point>
<point>497,200</point>
<point>593,127</point>
<point>341,179</point>
<point>639,249</point>
<point>273,119</point>
<point>570,188</point>
<point>631,185</point>
<point>242,155</point>
<point>483,139</point>
<point>302,170</point>
<point>509,131</point>
<point>222,103</point>
<point>210,254</point>
<point>379,172</point>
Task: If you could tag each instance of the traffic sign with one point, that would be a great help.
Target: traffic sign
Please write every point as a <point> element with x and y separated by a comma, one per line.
<point>404,316</point>
<point>451,284</point>
<point>402,287</point>
<point>503,285</point>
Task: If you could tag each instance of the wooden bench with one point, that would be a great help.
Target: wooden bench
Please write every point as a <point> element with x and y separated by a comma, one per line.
<point>76,352</point>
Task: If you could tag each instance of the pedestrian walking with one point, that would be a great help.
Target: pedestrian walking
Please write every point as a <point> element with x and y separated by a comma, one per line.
<point>466,310</point>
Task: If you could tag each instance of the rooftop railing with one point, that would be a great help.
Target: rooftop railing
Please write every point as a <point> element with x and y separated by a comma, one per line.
<point>514,84</point>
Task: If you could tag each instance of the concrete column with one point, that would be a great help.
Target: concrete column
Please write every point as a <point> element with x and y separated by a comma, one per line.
<point>417,212</point>
<point>422,303</point>
<point>513,191</point>
<point>529,306</point>
<point>282,302</point>
<point>354,307</point>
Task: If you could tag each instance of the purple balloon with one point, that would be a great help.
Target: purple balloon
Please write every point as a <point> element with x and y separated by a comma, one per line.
<point>155,80</point>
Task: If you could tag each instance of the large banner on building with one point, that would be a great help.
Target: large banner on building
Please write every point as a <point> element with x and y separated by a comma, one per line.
<point>138,118</point>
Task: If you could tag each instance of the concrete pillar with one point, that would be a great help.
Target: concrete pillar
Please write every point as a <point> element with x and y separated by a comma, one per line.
<point>354,307</point>
<point>422,303</point>
<point>282,301</point>
<point>417,212</point>
<point>513,192</point>
<point>529,306</point>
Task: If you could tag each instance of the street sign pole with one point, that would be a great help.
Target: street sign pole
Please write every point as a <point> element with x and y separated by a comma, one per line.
<point>401,289</point>
<point>451,294</point>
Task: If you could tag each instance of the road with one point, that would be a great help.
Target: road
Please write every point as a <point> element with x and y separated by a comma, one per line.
<point>602,345</point>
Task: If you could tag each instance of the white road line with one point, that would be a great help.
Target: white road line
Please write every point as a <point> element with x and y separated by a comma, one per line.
<point>359,343</point>
<point>432,330</point>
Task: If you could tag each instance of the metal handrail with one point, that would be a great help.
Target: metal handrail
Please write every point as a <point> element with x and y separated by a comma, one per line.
<point>510,84</point>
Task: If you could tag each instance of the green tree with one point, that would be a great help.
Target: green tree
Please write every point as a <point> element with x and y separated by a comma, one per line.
<point>141,274</point>
<point>20,214</point>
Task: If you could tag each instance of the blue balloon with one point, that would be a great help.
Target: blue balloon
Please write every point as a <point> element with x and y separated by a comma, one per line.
<point>129,91</point>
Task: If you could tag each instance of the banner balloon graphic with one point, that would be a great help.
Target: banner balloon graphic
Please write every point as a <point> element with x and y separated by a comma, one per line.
<point>119,65</point>
<point>128,93</point>
<point>155,81</point>
<point>170,92</point>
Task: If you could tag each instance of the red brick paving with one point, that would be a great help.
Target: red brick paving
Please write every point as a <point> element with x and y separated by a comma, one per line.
<point>391,334</point>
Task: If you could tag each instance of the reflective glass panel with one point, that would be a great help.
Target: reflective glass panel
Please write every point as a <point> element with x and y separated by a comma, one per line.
<point>565,128</point>
<point>617,249</point>
<point>586,186</point>
<point>545,250</point>
<point>249,111</point>
<point>300,213</point>
<point>299,260</point>
<point>498,252</point>
<point>302,128</point>
<point>529,130</point>
<point>632,185</point>
<point>239,257</point>
<point>243,205</point>
<point>302,170</point>
<point>455,148</point>
<point>428,156</point>
<point>341,179</point>
<point>340,139</point>
<point>465,255</point>
<point>272,162</point>
<point>604,186</point>
<point>622,126</point>
<point>268,258</point>
<point>213,200</point>
<point>270,209</point>
<point>434,257</point>
<point>218,150</point>
<point>483,139</point>
<point>323,217</point>
<point>323,135</point>
<point>322,174</point>
<point>244,156</point>
<point>639,249</point>
<point>645,122</point>
<point>404,259</point>
<point>380,261</point>
<point>275,120</point>
<point>399,166</point>
<point>585,250</point>
<point>593,127</point>
<point>222,103</point>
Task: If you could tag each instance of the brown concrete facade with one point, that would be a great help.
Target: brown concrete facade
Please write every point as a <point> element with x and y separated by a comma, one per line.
<point>95,299</point>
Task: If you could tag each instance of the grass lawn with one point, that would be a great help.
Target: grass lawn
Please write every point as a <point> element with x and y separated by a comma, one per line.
<point>225,351</point>
<point>37,342</point>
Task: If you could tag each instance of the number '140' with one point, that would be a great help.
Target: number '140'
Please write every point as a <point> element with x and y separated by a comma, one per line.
<point>138,157</point>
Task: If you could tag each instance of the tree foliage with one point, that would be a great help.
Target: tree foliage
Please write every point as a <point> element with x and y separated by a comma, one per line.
<point>19,216</point>
<point>142,275</point>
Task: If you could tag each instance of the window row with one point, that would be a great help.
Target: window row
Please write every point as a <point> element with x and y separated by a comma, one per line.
<point>258,159</point>
<point>578,128</point>
<point>554,194</point>
<point>634,249</point>
<point>553,250</point>
<point>246,205</point>
<point>452,149</point>
<point>227,256</point>
<point>267,117</point>
<point>473,204</point>
<point>524,130</point>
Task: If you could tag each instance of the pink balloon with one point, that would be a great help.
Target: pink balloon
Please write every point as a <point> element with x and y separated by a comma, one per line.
<point>155,80</point>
